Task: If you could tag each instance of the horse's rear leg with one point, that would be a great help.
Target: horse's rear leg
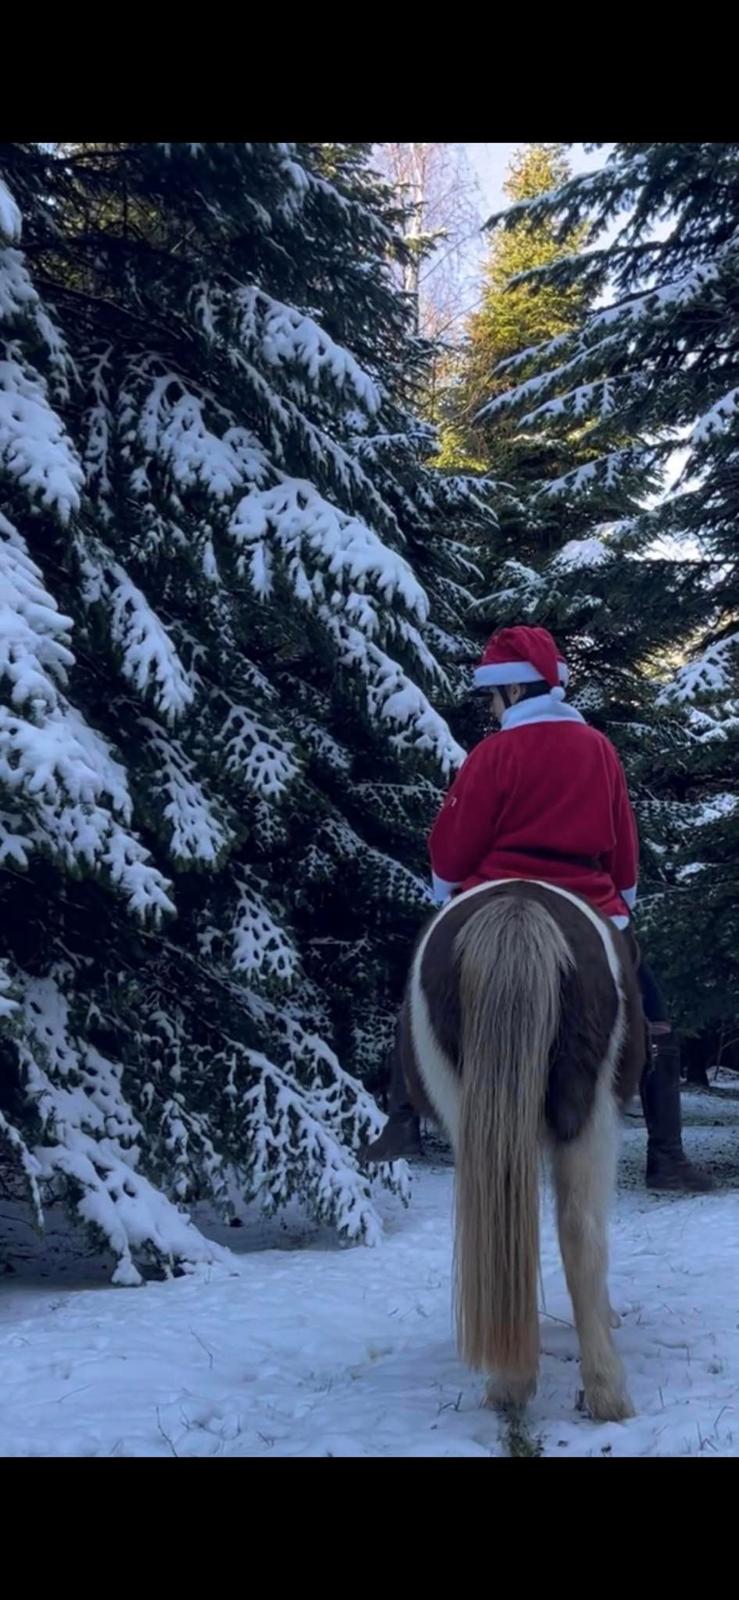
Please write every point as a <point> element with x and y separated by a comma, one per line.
<point>506,1393</point>
<point>584,1177</point>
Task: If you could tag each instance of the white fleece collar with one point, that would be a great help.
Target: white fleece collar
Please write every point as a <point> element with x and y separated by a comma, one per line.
<point>543,709</point>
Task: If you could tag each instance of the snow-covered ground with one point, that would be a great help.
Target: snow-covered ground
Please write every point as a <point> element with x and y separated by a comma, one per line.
<point>303,1348</point>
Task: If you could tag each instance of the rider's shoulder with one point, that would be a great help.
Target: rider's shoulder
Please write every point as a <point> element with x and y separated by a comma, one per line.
<point>483,754</point>
<point>489,748</point>
<point>602,739</point>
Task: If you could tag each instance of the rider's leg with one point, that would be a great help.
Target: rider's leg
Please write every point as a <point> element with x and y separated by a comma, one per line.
<point>667,1164</point>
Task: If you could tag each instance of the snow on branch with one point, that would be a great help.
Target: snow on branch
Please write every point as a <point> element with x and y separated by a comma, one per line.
<point>320,548</point>
<point>306,185</point>
<point>97,429</point>
<point>289,424</point>
<point>255,755</point>
<point>8,1001</point>
<point>343,1105</point>
<point>77,803</point>
<point>20,305</point>
<point>88,1140</point>
<point>285,336</point>
<point>663,301</point>
<point>322,746</point>
<point>717,419</point>
<point>380,877</point>
<point>10,217</point>
<point>523,587</point>
<point>578,553</point>
<point>682,818</point>
<point>581,361</point>
<point>608,470</point>
<point>586,399</point>
<point>711,673</point>
<point>523,357</point>
<point>17,1155</point>
<point>262,950</point>
<point>16,843</point>
<point>299,1144</point>
<point>34,635</point>
<point>148,658</point>
<point>197,833</point>
<point>391,698</point>
<point>604,332</point>
<point>274,336</point>
<point>87,837</point>
<point>716,809</point>
<point>35,450</point>
<point>169,422</point>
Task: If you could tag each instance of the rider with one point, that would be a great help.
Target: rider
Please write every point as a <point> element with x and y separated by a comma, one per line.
<point>546,798</point>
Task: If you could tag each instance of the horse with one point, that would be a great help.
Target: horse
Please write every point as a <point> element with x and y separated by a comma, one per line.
<point>521,1031</point>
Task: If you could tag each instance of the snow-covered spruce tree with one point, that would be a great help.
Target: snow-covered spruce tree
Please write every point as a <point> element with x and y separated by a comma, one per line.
<point>508,318</point>
<point>229,579</point>
<point>653,370</point>
<point>545,532</point>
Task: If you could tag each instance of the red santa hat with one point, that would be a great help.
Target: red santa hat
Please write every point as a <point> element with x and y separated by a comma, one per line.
<point>522,655</point>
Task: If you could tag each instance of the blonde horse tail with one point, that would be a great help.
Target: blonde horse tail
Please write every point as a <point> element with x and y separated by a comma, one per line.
<point>512,958</point>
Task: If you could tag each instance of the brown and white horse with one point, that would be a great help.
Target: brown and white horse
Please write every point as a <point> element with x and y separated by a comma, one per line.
<point>521,1030</point>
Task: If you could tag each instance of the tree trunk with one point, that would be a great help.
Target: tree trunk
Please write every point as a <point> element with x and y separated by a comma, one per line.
<point>698,1055</point>
<point>697,1074</point>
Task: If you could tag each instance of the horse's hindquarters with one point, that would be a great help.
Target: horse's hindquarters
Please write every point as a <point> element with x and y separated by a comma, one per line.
<point>516,1021</point>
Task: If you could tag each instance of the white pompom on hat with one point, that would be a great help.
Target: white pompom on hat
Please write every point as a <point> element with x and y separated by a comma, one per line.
<point>522,655</point>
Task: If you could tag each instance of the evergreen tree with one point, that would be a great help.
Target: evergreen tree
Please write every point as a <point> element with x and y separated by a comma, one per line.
<point>510,317</point>
<point>538,558</point>
<point>520,310</point>
<point>230,584</point>
<point>654,368</point>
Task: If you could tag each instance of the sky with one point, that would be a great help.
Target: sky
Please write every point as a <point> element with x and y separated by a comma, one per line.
<point>488,164</point>
<point>490,161</point>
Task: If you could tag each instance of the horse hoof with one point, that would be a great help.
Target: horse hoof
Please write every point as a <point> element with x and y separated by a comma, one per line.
<point>509,1394</point>
<point>608,1404</point>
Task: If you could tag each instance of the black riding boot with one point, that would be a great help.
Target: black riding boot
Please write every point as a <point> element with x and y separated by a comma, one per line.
<point>401,1135</point>
<point>667,1164</point>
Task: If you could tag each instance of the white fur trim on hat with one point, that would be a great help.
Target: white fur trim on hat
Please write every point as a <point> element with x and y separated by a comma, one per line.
<point>503,672</point>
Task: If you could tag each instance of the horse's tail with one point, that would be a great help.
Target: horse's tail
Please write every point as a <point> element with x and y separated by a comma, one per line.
<point>512,957</point>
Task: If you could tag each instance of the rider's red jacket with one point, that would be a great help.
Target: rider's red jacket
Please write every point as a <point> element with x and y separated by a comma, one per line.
<point>545,798</point>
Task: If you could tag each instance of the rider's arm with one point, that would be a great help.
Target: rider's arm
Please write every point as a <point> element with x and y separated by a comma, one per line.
<point>623,861</point>
<point>463,831</point>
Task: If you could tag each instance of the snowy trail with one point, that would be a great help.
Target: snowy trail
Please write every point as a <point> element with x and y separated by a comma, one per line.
<point>317,1350</point>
